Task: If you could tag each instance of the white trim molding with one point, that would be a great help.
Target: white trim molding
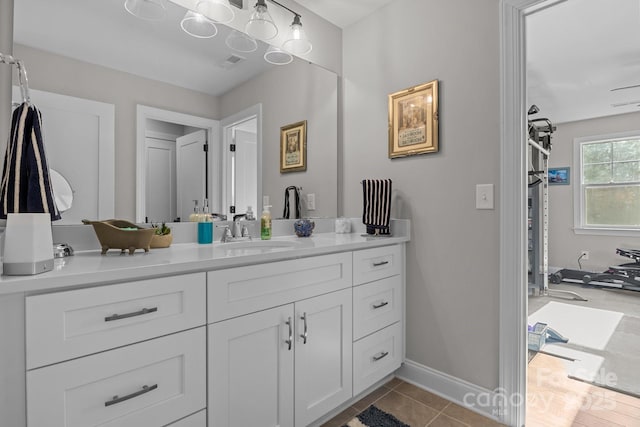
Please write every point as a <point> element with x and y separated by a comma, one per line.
<point>513,209</point>
<point>478,399</point>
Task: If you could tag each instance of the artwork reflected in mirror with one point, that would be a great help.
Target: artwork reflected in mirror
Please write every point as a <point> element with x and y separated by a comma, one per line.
<point>293,147</point>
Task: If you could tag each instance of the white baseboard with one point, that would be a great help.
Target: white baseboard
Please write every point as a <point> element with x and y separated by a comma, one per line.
<point>475,398</point>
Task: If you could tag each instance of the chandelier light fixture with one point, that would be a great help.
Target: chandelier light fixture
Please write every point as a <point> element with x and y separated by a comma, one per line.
<point>202,16</point>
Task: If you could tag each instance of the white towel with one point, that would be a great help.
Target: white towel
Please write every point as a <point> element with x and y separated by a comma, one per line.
<point>376,213</point>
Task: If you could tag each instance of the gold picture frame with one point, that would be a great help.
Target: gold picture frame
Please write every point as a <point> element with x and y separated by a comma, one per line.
<point>413,120</point>
<point>293,147</point>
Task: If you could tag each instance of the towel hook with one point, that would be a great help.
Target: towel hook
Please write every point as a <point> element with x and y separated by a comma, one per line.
<point>23,80</point>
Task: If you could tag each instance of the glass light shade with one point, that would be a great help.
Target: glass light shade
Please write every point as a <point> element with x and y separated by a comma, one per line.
<point>277,56</point>
<point>216,10</point>
<point>151,10</point>
<point>197,25</point>
<point>297,42</point>
<point>260,24</point>
<point>241,42</point>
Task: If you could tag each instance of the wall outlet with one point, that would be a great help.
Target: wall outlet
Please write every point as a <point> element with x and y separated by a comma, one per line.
<point>584,254</point>
<point>311,201</point>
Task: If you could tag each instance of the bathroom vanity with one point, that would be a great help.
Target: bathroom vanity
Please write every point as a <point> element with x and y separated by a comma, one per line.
<point>260,333</point>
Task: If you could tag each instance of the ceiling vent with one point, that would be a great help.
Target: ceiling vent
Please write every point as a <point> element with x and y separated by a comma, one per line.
<point>232,61</point>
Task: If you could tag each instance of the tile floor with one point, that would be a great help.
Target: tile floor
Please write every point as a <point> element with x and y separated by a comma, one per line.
<point>413,406</point>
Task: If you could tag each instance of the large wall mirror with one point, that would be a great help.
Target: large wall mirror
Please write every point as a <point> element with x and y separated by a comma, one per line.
<point>97,51</point>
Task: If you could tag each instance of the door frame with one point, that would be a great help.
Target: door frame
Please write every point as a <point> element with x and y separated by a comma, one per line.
<point>225,125</point>
<point>212,127</point>
<point>512,392</point>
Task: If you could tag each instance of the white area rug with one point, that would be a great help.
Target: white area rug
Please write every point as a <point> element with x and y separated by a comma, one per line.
<point>584,326</point>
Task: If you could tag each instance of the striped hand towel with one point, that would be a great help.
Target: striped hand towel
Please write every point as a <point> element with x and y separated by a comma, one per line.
<point>377,205</point>
<point>26,183</point>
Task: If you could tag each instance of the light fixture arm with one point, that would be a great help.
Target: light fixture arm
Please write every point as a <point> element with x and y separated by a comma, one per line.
<point>297,16</point>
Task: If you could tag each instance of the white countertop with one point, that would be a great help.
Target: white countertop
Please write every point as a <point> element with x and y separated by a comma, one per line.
<point>88,268</point>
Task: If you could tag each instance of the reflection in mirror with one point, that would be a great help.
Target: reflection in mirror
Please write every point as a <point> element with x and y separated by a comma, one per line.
<point>62,191</point>
<point>124,61</point>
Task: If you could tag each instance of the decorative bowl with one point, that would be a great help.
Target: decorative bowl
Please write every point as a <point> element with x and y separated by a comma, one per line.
<point>304,227</point>
<point>121,234</point>
<point>161,241</point>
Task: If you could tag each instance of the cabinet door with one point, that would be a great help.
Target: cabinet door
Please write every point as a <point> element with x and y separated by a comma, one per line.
<point>251,370</point>
<point>323,366</point>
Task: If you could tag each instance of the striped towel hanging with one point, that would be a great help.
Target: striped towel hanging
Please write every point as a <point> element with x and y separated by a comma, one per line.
<point>376,213</point>
<point>285,214</point>
<point>26,183</point>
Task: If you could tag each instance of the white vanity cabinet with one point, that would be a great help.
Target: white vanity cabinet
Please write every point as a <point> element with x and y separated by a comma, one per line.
<point>287,365</point>
<point>270,342</point>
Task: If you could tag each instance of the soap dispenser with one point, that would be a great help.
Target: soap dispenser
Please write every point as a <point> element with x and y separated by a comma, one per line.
<point>265,223</point>
<point>205,226</point>
<point>195,216</point>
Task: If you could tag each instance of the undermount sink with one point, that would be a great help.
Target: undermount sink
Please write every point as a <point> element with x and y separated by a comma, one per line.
<point>259,244</point>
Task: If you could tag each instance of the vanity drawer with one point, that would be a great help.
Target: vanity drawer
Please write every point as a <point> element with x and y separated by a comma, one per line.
<point>108,389</point>
<point>376,305</point>
<point>65,325</point>
<point>376,356</point>
<point>237,291</point>
<point>376,263</point>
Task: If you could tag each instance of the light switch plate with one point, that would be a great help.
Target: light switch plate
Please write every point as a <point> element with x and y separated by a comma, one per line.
<point>311,201</point>
<point>484,196</point>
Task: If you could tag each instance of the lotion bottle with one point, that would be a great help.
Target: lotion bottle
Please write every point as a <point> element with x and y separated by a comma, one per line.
<point>265,223</point>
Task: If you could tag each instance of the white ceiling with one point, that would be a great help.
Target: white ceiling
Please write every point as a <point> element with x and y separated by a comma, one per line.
<point>577,52</point>
<point>343,13</point>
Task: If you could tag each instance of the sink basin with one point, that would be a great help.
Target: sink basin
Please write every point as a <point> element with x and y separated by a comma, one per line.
<point>262,245</point>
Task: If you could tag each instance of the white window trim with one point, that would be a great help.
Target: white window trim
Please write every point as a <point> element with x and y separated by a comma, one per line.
<point>578,197</point>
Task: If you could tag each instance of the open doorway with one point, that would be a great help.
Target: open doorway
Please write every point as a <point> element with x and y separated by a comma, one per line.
<point>583,217</point>
<point>178,161</point>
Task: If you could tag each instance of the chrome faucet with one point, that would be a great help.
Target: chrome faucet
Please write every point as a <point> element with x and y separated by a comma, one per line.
<point>239,230</point>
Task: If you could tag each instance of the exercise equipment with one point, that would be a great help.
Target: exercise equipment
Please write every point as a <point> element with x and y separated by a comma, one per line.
<point>623,276</point>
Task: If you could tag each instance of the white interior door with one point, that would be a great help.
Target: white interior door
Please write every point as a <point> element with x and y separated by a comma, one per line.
<point>191,166</point>
<point>246,178</point>
<point>160,180</point>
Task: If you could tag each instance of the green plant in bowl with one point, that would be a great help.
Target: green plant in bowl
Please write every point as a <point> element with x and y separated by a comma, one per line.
<point>161,230</point>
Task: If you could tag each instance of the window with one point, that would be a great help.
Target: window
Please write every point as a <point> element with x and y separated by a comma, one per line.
<point>607,194</point>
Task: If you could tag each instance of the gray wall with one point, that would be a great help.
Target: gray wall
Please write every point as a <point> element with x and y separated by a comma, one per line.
<point>564,244</point>
<point>63,75</point>
<point>291,94</point>
<point>453,256</point>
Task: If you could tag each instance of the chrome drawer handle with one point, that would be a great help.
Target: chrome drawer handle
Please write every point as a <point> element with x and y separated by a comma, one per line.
<point>304,334</point>
<point>378,264</point>
<point>290,340</point>
<point>380,356</point>
<point>116,399</point>
<point>134,314</point>
<point>382,304</point>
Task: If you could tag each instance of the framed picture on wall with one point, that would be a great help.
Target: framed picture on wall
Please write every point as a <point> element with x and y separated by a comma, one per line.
<point>293,147</point>
<point>413,120</point>
<point>559,176</point>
